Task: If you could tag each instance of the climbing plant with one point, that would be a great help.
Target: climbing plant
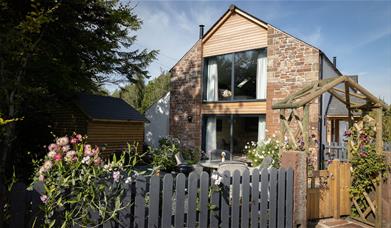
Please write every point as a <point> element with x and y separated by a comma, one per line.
<point>367,164</point>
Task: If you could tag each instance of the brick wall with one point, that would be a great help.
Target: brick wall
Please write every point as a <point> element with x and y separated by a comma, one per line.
<point>185,98</point>
<point>291,65</point>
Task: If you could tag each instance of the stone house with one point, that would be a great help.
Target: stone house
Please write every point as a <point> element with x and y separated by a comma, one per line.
<point>222,89</point>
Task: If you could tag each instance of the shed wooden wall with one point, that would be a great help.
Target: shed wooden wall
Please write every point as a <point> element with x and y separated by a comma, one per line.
<point>115,135</point>
<point>237,33</point>
<point>68,119</point>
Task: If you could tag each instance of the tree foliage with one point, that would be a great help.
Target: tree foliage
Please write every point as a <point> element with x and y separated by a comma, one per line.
<point>141,96</point>
<point>53,49</point>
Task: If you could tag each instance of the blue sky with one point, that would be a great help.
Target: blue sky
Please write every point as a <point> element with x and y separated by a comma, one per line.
<point>357,32</point>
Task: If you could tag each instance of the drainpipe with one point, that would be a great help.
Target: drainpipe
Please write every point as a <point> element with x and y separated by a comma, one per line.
<point>322,117</point>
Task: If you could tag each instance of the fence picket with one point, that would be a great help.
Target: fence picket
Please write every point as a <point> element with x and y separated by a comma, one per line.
<point>214,212</point>
<point>273,199</point>
<point>167,201</point>
<point>235,221</point>
<point>204,190</point>
<point>245,199</point>
<point>180,200</point>
<point>225,207</point>
<point>139,202</point>
<point>18,205</point>
<point>264,197</point>
<point>281,198</point>
<point>254,198</point>
<point>192,188</point>
<point>289,198</point>
<point>154,203</point>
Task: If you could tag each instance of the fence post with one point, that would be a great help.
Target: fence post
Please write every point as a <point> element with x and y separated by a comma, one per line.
<point>297,160</point>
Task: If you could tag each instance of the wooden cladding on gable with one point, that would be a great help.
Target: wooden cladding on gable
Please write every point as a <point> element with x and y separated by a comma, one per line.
<point>256,107</point>
<point>237,33</point>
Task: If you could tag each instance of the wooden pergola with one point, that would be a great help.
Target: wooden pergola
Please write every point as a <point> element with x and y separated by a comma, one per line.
<point>342,88</point>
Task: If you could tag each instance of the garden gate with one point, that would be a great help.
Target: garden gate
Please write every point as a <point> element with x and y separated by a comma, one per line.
<point>328,191</point>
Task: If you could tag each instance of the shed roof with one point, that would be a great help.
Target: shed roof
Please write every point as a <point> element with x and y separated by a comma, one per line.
<point>107,108</point>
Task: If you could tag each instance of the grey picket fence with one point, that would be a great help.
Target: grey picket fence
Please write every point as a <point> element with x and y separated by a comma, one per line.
<point>263,198</point>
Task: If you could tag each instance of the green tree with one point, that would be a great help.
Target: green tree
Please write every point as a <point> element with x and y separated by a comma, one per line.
<point>51,50</point>
<point>155,89</point>
<point>141,96</point>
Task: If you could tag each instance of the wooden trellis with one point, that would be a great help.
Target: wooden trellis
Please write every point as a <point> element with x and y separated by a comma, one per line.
<point>342,88</point>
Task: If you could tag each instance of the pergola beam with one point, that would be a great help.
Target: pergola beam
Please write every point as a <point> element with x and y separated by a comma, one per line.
<point>351,93</point>
<point>369,95</point>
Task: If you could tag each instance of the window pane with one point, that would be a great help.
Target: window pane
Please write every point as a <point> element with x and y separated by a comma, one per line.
<point>245,130</point>
<point>224,65</point>
<point>218,78</point>
<point>217,136</point>
<point>245,75</point>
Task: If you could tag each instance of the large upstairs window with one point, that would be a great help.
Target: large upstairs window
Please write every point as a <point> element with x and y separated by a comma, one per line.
<point>236,76</point>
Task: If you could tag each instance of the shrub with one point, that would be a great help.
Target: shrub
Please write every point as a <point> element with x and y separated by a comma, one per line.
<point>164,155</point>
<point>257,152</point>
<point>368,167</point>
<point>78,183</point>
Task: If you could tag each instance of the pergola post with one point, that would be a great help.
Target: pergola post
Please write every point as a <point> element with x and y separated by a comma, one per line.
<point>379,150</point>
<point>306,116</point>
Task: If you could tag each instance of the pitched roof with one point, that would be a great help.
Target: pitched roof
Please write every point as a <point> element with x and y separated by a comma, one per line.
<point>107,108</point>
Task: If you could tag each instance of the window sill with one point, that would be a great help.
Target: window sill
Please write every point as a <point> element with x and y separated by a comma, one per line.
<point>233,101</point>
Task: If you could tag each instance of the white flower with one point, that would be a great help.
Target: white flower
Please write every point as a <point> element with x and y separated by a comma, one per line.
<point>86,160</point>
<point>216,179</point>
<point>128,180</point>
<point>51,154</point>
<point>62,141</point>
<point>47,165</point>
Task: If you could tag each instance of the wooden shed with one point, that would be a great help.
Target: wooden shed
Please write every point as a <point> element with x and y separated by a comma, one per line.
<point>109,122</point>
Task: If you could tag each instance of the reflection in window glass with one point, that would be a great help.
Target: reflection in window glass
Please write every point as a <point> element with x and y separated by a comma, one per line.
<point>224,66</point>
<point>245,129</point>
<point>245,75</point>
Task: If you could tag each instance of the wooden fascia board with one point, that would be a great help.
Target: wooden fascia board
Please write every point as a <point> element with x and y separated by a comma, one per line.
<point>251,18</point>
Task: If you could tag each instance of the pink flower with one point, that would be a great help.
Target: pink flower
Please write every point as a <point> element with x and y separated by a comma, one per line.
<point>62,141</point>
<point>53,147</point>
<point>97,161</point>
<point>65,148</point>
<point>363,154</point>
<point>95,151</point>
<point>44,199</point>
<point>88,150</point>
<point>79,137</point>
<point>57,157</point>
<point>74,140</point>
<point>41,178</point>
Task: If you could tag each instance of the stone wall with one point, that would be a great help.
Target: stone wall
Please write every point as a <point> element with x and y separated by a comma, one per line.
<point>291,65</point>
<point>185,101</point>
<point>297,160</point>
